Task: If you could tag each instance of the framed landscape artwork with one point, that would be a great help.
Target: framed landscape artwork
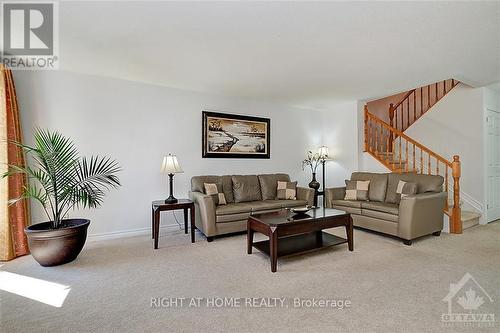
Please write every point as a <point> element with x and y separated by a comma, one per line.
<point>235,136</point>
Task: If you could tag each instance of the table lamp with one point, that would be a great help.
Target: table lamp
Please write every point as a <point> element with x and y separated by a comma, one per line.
<point>170,165</point>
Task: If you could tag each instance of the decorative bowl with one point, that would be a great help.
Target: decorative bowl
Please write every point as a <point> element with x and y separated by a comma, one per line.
<point>300,210</point>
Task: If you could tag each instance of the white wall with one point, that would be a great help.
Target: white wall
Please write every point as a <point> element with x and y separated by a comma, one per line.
<point>454,126</point>
<point>340,133</point>
<point>491,99</point>
<point>138,123</point>
<point>380,107</point>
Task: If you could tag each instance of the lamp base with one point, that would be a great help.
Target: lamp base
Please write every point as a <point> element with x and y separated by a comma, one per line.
<point>171,200</point>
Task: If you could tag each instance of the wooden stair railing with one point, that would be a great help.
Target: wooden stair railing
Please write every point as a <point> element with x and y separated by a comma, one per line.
<point>404,154</point>
<point>416,102</point>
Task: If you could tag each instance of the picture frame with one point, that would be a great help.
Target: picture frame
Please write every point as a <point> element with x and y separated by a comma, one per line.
<point>227,135</point>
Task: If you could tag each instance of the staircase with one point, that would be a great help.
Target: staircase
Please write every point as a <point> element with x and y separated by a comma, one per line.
<point>417,102</point>
<point>388,144</point>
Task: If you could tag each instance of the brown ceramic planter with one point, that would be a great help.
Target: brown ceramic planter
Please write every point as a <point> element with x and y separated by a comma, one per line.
<point>52,247</point>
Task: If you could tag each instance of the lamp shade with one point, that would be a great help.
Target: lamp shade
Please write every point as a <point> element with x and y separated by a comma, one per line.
<point>170,164</point>
<point>323,152</point>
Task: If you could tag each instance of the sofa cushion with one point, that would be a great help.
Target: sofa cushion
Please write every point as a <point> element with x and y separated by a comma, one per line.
<point>290,203</point>
<point>198,182</point>
<point>286,191</point>
<point>380,215</point>
<point>246,188</point>
<point>372,223</point>
<point>347,209</point>
<point>259,206</point>
<point>380,207</point>
<point>378,184</point>
<point>227,188</point>
<point>356,190</point>
<point>215,191</point>
<point>425,183</point>
<point>347,203</point>
<point>197,185</point>
<point>405,188</point>
<point>232,217</point>
<point>269,182</point>
<point>234,208</point>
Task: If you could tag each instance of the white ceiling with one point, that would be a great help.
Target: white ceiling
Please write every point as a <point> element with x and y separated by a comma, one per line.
<point>308,54</point>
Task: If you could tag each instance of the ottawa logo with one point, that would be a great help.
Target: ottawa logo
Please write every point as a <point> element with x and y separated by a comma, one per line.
<point>467,302</point>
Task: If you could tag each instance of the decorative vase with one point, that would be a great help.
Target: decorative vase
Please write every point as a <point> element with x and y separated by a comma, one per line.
<point>314,183</point>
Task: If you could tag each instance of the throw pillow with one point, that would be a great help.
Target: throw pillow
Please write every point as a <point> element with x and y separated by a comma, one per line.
<point>404,189</point>
<point>356,190</point>
<point>213,191</point>
<point>287,191</point>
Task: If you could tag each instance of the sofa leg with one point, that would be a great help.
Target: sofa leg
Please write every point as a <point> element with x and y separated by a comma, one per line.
<point>407,242</point>
<point>210,239</point>
<point>437,233</point>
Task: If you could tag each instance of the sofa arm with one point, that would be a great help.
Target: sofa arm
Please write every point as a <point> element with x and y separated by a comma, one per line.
<point>421,214</point>
<point>307,194</point>
<point>205,212</point>
<point>335,193</point>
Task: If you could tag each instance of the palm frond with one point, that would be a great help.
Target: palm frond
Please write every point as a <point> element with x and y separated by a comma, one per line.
<point>93,176</point>
<point>32,192</point>
<point>65,180</point>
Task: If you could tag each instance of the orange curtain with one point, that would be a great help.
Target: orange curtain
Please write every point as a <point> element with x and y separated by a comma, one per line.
<point>13,218</point>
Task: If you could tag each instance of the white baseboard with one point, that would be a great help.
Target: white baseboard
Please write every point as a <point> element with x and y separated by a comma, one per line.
<point>128,233</point>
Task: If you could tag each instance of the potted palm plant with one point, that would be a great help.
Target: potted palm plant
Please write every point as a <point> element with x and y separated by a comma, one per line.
<point>60,180</point>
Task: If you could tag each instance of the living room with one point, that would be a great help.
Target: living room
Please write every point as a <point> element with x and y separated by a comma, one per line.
<point>141,85</point>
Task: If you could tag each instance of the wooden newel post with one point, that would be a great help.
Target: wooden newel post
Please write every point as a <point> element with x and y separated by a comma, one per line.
<point>391,122</point>
<point>456,215</point>
<point>366,128</point>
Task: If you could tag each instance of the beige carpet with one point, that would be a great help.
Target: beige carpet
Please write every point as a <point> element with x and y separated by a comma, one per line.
<point>391,287</point>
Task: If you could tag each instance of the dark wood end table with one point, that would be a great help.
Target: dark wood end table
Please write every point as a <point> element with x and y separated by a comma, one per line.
<point>160,205</point>
<point>292,234</point>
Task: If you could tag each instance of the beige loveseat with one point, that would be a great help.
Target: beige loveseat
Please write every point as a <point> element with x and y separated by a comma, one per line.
<point>416,215</point>
<point>245,195</point>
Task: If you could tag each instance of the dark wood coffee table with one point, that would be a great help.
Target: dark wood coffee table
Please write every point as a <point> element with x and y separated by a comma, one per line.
<point>293,234</point>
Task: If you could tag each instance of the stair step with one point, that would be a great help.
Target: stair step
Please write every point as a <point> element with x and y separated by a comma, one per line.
<point>394,164</point>
<point>470,219</point>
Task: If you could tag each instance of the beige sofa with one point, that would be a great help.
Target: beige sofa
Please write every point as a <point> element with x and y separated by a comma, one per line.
<point>245,195</point>
<point>416,215</point>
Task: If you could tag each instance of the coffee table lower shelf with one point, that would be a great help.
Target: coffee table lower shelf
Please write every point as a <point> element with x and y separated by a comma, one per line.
<point>299,244</point>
